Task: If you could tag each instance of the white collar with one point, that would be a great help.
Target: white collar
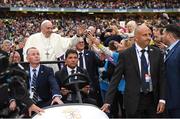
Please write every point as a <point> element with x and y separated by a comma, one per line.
<point>80,51</point>
<point>139,48</point>
<point>172,45</point>
<point>70,69</point>
<point>37,68</point>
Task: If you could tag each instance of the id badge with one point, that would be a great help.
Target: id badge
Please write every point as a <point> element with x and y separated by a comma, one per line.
<point>147,78</point>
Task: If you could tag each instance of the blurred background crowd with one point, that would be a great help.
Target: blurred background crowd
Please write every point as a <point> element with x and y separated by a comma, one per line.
<point>111,4</point>
<point>19,26</point>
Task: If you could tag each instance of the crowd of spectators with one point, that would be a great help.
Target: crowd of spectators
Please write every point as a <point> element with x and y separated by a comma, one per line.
<point>18,27</point>
<point>111,4</point>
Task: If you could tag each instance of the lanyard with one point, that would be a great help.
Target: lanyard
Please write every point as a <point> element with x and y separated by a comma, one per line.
<point>139,57</point>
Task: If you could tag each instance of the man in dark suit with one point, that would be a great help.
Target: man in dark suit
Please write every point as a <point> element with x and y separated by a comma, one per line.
<point>142,67</point>
<point>71,61</point>
<point>89,61</point>
<point>172,69</point>
<point>42,84</point>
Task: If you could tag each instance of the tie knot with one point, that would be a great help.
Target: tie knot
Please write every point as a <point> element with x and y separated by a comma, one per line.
<point>143,51</point>
<point>72,71</point>
<point>34,70</point>
<point>80,54</point>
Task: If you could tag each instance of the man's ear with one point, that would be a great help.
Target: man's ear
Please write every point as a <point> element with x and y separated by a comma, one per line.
<point>65,62</point>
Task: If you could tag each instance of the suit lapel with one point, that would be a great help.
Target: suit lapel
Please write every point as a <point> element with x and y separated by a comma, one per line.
<point>151,57</point>
<point>134,59</point>
<point>78,70</point>
<point>172,51</point>
<point>65,73</point>
<point>39,76</point>
<point>86,57</point>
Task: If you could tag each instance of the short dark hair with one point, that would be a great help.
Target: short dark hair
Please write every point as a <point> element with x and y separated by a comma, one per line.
<point>70,51</point>
<point>174,29</point>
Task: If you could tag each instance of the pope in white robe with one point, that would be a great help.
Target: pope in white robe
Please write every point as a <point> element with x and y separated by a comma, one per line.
<point>50,45</point>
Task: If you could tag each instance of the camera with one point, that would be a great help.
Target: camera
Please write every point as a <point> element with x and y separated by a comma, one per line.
<point>12,80</point>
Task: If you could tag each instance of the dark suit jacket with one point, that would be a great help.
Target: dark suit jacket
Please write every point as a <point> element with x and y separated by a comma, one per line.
<point>62,75</point>
<point>92,63</point>
<point>46,83</point>
<point>128,66</point>
<point>172,64</point>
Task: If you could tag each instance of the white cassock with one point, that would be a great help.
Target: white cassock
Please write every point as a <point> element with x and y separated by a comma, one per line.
<point>50,48</point>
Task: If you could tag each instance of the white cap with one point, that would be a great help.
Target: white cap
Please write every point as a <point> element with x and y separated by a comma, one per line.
<point>45,21</point>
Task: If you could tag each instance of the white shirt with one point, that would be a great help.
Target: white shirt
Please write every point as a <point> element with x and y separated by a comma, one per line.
<point>139,53</point>
<point>54,46</point>
<point>172,45</point>
<point>84,63</point>
<point>31,78</point>
<point>70,69</point>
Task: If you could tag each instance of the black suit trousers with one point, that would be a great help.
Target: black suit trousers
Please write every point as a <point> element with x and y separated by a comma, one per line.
<point>146,107</point>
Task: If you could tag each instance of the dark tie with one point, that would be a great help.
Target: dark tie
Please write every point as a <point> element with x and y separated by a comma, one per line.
<point>144,71</point>
<point>72,71</point>
<point>73,96</point>
<point>33,87</point>
<point>72,78</point>
<point>81,60</point>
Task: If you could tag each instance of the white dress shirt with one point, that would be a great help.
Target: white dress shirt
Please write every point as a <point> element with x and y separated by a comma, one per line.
<point>139,53</point>
<point>31,79</point>
<point>84,62</point>
<point>70,69</point>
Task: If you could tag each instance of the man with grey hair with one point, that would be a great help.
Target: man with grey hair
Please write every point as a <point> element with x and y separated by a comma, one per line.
<point>131,26</point>
<point>6,46</point>
<point>49,44</point>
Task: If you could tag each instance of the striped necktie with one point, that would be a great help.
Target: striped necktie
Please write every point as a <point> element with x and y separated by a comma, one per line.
<point>33,87</point>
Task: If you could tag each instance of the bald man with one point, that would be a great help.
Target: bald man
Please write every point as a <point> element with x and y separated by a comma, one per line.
<point>49,44</point>
<point>142,67</point>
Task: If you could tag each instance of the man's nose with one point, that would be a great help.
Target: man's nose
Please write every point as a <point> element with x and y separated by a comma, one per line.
<point>36,55</point>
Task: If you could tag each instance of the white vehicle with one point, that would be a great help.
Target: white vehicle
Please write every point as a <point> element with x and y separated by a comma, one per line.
<point>72,111</point>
